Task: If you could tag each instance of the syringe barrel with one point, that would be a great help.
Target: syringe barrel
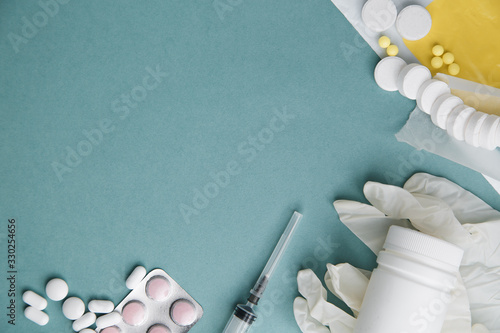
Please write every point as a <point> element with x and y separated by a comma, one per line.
<point>241,320</point>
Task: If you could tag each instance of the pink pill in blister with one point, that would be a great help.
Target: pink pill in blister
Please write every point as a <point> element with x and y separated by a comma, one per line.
<point>183,312</point>
<point>158,288</point>
<point>112,329</point>
<point>158,329</point>
<point>134,313</point>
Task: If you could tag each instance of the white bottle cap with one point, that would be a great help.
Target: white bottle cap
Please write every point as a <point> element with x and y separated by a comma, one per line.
<point>400,238</point>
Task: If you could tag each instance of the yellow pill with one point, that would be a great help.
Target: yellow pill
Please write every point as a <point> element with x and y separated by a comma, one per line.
<point>448,58</point>
<point>438,50</point>
<point>384,42</point>
<point>437,62</point>
<point>392,50</point>
<point>454,69</point>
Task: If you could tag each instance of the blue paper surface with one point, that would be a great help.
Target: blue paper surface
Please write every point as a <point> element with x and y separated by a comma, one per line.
<point>183,135</point>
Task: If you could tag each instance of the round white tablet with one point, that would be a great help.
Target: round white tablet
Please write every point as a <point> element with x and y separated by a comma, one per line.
<point>379,15</point>
<point>414,22</point>
<point>387,71</point>
<point>487,133</point>
<point>411,78</point>
<point>73,308</point>
<point>442,108</point>
<point>428,92</point>
<point>473,128</point>
<point>56,289</point>
<point>458,118</point>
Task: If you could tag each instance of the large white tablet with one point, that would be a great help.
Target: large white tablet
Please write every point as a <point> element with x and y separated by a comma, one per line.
<point>387,72</point>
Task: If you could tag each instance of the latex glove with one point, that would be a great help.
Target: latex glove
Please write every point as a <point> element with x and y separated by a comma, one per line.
<point>313,313</point>
<point>442,209</point>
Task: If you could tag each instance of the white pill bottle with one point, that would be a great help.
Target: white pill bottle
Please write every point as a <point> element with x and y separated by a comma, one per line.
<point>410,290</point>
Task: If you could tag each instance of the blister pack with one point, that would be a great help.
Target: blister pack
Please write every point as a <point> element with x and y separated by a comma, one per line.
<point>157,304</point>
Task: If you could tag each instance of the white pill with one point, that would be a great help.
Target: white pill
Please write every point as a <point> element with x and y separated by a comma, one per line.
<point>109,319</point>
<point>35,300</point>
<point>428,92</point>
<point>56,289</point>
<point>379,15</point>
<point>73,308</point>
<point>473,128</point>
<point>457,121</point>
<point>387,72</point>
<point>487,133</point>
<point>36,316</point>
<point>411,78</point>
<point>414,22</point>
<point>87,330</point>
<point>442,108</point>
<point>84,321</point>
<point>497,139</point>
<point>135,277</point>
<point>101,306</point>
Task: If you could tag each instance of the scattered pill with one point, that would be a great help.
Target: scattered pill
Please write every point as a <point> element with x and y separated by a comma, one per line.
<point>487,133</point>
<point>437,62</point>
<point>454,69</point>
<point>384,42</point>
<point>392,50</point>
<point>387,72</point>
<point>73,308</point>
<point>183,313</point>
<point>457,120</point>
<point>87,330</point>
<point>101,306</point>
<point>35,300</point>
<point>428,92</point>
<point>108,320</point>
<point>135,277</point>
<point>448,58</point>
<point>84,321</point>
<point>379,15</point>
<point>414,22</point>
<point>37,316</point>
<point>411,78</point>
<point>442,108</point>
<point>473,127</point>
<point>56,289</point>
<point>438,50</point>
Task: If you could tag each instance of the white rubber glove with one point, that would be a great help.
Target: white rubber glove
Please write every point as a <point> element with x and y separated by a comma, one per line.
<point>349,284</point>
<point>443,209</point>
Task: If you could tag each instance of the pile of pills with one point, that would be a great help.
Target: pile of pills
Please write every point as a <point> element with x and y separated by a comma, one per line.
<point>434,97</point>
<point>413,22</point>
<point>444,58</point>
<point>385,43</point>
<point>73,308</point>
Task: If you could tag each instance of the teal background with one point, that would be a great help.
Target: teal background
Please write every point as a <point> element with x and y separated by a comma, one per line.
<point>226,74</point>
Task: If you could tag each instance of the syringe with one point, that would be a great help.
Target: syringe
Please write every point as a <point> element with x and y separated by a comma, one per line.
<point>244,314</point>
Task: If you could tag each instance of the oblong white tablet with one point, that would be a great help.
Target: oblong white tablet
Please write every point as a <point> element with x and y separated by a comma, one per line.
<point>108,320</point>
<point>429,91</point>
<point>442,108</point>
<point>35,300</point>
<point>379,15</point>
<point>487,133</point>
<point>411,78</point>
<point>135,277</point>
<point>473,128</point>
<point>84,321</point>
<point>387,72</point>
<point>36,316</point>
<point>73,308</point>
<point>457,121</point>
<point>101,306</point>
<point>56,289</point>
<point>414,22</point>
<point>87,330</point>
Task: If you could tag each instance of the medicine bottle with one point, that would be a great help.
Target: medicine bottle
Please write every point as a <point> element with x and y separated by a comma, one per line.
<point>410,290</point>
